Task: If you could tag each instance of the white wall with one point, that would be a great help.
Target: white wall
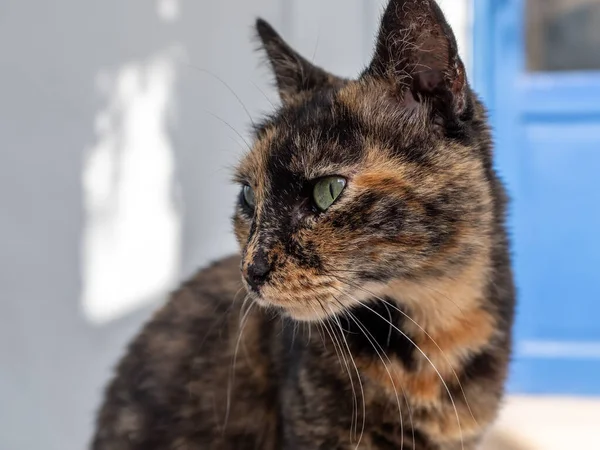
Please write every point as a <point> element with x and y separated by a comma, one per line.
<point>114,175</point>
<point>103,123</point>
<point>459,15</point>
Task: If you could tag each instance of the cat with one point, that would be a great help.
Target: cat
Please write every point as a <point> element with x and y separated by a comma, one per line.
<point>372,303</point>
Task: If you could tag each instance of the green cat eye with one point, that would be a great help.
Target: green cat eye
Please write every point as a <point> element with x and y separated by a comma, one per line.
<point>327,190</point>
<point>248,194</point>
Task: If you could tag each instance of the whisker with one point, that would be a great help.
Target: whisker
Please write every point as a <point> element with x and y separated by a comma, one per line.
<point>242,312</point>
<point>335,341</point>
<point>243,322</point>
<point>389,338</point>
<point>426,357</point>
<point>365,331</point>
<point>263,93</point>
<point>321,334</point>
<point>429,337</point>
<point>364,406</point>
<point>421,282</point>
<point>373,342</point>
<point>231,127</point>
<point>294,331</point>
<point>269,100</point>
<point>227,86</point>
<point>236,294</point>
<point>314,55</point>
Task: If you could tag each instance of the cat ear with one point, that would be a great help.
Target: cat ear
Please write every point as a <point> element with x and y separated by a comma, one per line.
<point>416,48</point>
<point>293,73</point>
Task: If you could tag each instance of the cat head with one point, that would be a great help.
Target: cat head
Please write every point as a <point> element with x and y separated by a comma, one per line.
<point>354,184</point>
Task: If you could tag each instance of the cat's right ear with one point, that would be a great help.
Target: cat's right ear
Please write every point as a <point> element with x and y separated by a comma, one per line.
<point>294,74</point>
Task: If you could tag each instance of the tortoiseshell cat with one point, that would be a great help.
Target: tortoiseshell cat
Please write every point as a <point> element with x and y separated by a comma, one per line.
<point>380,296</point>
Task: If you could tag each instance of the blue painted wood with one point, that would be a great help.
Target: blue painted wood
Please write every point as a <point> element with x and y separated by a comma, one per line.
<point>547,132</point>
<point>556,376</point>
<point>483,36</point>
<point>572,94</point>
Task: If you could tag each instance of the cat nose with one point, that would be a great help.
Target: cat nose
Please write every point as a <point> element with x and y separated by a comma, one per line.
<point>258,271</point>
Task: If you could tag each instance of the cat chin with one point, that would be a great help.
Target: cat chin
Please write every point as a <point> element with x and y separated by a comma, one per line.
<point>299,313</point>
<point>304,315</point>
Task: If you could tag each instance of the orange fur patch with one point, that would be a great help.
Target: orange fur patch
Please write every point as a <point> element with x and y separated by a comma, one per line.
<point>422,388</point>
<point>470,331</point>
<point>436,304</point>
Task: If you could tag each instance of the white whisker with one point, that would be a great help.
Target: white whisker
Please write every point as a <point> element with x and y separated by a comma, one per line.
<point>243,321</point>
<point>373,342</point>
<point>334,341</point>
<point>432,365</point>
<point>431,339</point>
<point>364,406</point>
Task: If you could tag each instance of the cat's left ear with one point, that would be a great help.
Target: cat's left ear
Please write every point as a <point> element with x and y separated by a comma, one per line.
<point>293,73</point>
<point>416,49</point>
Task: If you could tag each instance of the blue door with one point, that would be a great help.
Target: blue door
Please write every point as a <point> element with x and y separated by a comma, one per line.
<point>537,65</point>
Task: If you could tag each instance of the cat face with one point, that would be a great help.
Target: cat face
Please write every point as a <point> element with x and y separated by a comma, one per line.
<point>355,183</point>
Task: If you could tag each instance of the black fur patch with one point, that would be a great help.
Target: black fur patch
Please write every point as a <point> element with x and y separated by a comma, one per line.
<point>380,331</point>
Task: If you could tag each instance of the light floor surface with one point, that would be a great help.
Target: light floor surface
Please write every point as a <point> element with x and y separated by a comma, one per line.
<point>547,423</point>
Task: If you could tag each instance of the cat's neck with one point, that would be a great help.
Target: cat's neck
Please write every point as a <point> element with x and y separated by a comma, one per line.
<point>437,303</point>
<point>440,319</point>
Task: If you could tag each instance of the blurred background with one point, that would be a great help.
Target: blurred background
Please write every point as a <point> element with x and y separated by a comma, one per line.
<point>120,120</point>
